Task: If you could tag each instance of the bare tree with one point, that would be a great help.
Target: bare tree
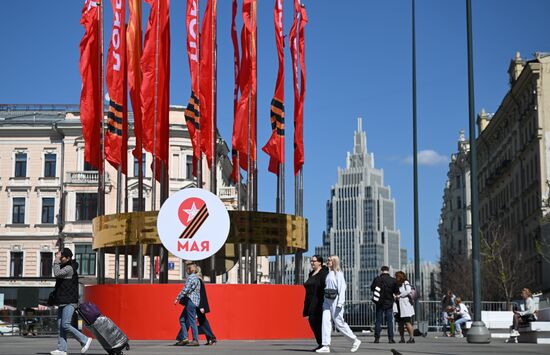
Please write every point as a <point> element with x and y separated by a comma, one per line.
<point>503,268</point>
<point>456,275</point>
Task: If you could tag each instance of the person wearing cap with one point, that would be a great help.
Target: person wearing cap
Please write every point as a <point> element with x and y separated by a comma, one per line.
<point>66,298</point>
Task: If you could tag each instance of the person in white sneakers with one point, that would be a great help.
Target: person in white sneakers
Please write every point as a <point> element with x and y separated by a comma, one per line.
<point>65,296</point>
<point>525,316</point>
<point>462,315</point>
<point>333,306</point>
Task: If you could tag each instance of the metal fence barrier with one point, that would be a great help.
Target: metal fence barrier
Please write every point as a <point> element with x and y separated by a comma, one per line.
<point>28,324</point>
<point>362,314</point>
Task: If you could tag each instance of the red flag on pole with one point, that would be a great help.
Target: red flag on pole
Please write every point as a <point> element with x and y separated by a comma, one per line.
<point>244,130</point>
<point>133,46</point>
<point>192,112</point>
<point>235,174</point>
<point>90,96</point>
<point>298,49</point>
<point>207,79</point>
<point>115,74</point>
<point>155,66</point>
<point>275,147</point>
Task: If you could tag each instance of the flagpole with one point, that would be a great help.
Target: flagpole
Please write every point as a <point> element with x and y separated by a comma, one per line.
<point>101,181</point>
<point>124,152</point>
<point>213,172</point>
<point>198,133</point>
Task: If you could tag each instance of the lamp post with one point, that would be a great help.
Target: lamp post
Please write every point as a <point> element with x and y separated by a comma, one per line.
<point>478,333</point>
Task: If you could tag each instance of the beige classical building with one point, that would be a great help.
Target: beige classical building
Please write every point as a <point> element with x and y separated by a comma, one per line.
<point>455,225</point>
<point>514,163</point>
<point>48,195</point>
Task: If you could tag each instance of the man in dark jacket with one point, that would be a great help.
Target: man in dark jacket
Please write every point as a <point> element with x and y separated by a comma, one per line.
<point>384,288</point>
<point>66,298</point>
<point>204,325</point>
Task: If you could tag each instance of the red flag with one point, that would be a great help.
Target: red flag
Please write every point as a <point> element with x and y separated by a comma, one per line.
<point>275,147</point>
<point>155,89</point>
<point>207,44</point>
<point>299,90</point>
<point>235,174</point>
<point>91,105</point>
<point>246,110</point>
<point>192,112</point>
<point>115,74</point>
<point>133,47</point>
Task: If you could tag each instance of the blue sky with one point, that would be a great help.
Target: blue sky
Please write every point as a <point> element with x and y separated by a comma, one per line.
<point>358,64</point>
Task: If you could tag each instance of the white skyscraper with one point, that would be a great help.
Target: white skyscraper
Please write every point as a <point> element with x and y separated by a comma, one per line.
<point>361,227</point>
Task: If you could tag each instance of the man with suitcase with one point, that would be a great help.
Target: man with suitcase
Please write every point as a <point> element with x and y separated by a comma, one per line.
<point>65,296</point>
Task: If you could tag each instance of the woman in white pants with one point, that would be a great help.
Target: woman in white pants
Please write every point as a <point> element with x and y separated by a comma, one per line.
<point>333,306</point>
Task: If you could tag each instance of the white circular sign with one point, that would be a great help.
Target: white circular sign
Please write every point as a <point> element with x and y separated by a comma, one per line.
<point>193,224</point>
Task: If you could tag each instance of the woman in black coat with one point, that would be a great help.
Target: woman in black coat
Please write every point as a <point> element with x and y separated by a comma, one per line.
<point>204,325</point>
<point>313,303</point>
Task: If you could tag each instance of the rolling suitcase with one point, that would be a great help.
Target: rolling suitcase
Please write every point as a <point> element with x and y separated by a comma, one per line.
<point>109,335</point>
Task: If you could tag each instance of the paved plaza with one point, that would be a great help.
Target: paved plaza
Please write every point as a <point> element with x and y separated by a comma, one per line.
<point>16,345</point>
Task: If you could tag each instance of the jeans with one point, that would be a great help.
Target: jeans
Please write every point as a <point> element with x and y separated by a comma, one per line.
<point>204,326</point>
<point>458,322</point>
<point>380,313</point>
<point>64,317</point>
<point>188,318</point>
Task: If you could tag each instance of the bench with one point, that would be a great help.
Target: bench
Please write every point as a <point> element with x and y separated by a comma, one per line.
<point>537,332</point>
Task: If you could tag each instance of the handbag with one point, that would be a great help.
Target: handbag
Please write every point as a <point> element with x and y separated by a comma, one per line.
<point>331,293</point>
<point>51,298</point>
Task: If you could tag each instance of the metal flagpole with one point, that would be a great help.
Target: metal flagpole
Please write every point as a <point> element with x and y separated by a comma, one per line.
<point>254,247</point>
<point>478,332</point>
<point>118,209</point>
<point>415,167</point>
<point>101,180</point>
<point>154,179</point>
<point>213,171</point>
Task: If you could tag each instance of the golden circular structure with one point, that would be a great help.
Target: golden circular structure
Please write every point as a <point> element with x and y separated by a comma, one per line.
<point>266,230</point>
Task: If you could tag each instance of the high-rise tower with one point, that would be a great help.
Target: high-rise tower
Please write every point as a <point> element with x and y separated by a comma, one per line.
<point>361,226</point>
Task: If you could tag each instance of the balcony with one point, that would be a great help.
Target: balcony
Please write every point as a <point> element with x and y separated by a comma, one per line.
<point>84,178</point>
<point>229,192</point>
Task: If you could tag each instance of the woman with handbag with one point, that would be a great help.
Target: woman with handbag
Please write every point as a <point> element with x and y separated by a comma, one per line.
<point>315,295</point>
<point>333,306</point>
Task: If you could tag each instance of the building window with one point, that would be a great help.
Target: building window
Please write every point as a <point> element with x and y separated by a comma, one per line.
<point>20,164</point>
<point>85,257</point>
<point>459,224</point>
<point>136,166</point>
<point>89,167</point>
<point>458,202</point>
<point>49,164</point>
<point>18,212</point>
<point>16,264</point>
<point>46,261</point>
<point>189,167</point>
<point>460,247</point>
<point>458,181</point>
<point>86,206</point>
<point>48,205</point>
<point>135,204</point>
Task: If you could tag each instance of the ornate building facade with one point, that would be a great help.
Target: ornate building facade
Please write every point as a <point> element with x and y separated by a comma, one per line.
<point>48,195</point>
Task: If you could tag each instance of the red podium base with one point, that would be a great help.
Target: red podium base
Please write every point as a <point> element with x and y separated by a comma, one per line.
<point>238,312</point>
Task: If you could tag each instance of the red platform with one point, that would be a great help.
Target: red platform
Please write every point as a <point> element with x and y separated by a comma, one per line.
<point>238,312</point>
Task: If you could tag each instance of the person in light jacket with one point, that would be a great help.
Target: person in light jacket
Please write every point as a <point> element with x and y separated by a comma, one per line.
<point>525,316</point>
<point>462,315</point>
<point>403,308</point>
<point>333,309</point>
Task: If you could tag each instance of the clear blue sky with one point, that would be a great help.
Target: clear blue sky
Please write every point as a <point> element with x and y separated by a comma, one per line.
<point>358,64</point>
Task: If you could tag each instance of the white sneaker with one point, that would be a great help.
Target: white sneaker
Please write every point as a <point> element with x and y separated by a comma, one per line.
<point>514,333</point>
<point>323,349</point>
<point>356,345</point>
<point>58,352</point>
<point>86,346</point>
<point>459,335</point>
